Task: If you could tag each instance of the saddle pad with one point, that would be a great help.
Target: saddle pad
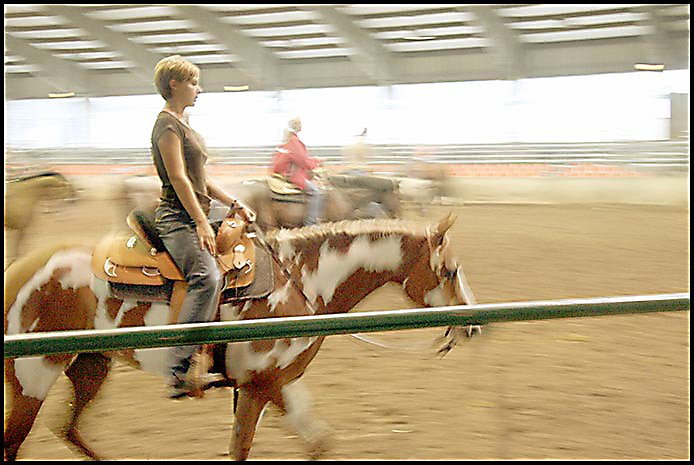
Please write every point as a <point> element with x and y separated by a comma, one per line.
<point>141,292</point>
<point>288,198</point>
<point>261,286</point>
<point>279,185</point>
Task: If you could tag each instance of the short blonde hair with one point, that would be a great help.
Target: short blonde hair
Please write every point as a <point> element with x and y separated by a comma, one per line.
<point>294,123</point>
<point>292,128</point>
<point>173,67</point>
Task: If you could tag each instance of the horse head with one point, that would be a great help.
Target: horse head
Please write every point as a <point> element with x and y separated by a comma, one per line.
<point>56,186</point>
<point>437,279</point>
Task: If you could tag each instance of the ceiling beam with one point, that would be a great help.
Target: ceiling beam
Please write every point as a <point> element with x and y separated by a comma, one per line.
<point>506,46</point>
<point>657,44</point>
<point>258,63</point>
<point>143,59</point>
<point>370,55</point>
<point>63,75</point>
<point>597,56</point>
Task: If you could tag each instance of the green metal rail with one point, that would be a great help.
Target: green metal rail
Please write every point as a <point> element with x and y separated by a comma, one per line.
<point>68,342</point>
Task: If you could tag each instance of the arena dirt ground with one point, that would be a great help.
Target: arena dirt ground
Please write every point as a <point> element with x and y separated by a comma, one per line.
<point>588,388</point>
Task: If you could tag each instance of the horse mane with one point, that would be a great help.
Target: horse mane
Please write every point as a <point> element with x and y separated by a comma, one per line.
<point>380,227</point>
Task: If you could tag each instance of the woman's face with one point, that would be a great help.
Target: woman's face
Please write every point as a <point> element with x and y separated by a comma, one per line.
<point>185,92</point>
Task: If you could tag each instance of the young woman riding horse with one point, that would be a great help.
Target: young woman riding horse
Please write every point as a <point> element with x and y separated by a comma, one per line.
<point>324,269</point>
<point>182,214</point>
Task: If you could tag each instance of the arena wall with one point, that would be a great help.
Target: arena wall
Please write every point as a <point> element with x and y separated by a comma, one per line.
<point>648,190</point>
<point>672,190</point>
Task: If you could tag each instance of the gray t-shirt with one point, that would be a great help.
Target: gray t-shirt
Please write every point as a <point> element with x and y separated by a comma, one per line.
<point>194,157</point>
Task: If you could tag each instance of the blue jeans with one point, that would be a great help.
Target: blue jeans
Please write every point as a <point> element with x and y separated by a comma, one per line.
<point>199,268</point>
<point>315,202</point>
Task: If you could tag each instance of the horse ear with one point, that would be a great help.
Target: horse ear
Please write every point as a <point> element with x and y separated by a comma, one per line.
<point>443,226</point>
<point>446,223</point>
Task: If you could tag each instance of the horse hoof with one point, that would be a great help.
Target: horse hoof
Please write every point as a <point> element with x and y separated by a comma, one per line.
<point>320,446</point>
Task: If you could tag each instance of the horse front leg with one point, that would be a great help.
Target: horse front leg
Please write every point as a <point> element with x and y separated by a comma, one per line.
<point>294,402</point>
<point>248,411</point>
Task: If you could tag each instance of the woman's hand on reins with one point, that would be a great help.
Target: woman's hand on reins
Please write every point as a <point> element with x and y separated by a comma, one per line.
<point>243,210</point>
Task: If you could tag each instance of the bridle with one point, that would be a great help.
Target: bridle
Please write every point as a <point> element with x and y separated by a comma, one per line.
<point>446,274</point>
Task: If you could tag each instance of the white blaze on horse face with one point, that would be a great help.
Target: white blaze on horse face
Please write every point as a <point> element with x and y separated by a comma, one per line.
<point>441,258</point>
<point>334,266</point>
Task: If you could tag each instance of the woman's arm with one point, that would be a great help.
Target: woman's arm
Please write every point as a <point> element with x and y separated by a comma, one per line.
<point>220,194</point>
<point>217,193</point>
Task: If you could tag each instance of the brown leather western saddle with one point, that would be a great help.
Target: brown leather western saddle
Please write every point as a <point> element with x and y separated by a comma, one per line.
<point>137,265</point>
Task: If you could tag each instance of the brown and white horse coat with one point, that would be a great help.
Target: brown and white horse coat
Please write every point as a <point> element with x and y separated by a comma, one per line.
<point>332,267</point>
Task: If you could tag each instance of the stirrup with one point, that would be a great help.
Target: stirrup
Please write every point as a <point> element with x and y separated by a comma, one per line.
<point>193,386</point>
<point>194,382</point>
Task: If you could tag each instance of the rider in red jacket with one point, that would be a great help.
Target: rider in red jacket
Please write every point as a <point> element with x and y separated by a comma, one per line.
<point>294,163</point>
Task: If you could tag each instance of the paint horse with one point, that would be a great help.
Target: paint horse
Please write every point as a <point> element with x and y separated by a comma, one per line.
<point>323,269</point>
<point>22,196</point>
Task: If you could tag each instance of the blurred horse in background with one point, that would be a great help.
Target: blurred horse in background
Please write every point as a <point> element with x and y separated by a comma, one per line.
<point>347,197</point>
<point>23,195</point>
<point>426,180</point>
